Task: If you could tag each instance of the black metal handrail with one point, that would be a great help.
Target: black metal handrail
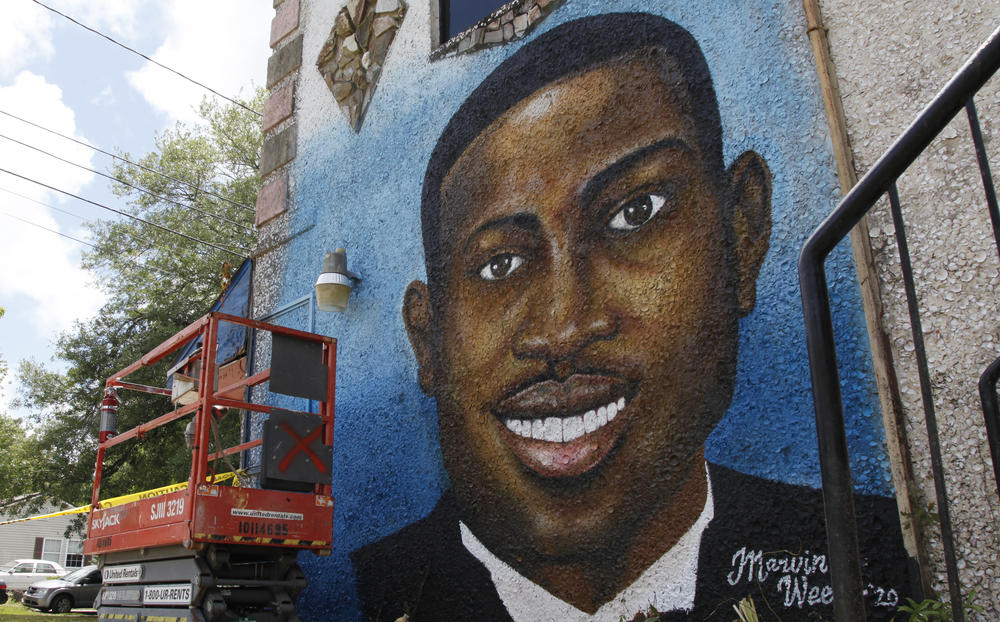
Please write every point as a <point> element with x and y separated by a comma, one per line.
<point>991,412</point>
<point>842,533</point>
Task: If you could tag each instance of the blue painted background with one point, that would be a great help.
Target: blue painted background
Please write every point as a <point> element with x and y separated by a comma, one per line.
<point>363,192</point>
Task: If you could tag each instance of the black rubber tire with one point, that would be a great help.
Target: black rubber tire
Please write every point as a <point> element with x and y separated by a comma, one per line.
<point>62,604</point>
<point>3,597</point>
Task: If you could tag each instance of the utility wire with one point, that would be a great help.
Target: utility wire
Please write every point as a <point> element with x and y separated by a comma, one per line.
<point>126,214</point>
<point>34,224</point>
<point>27,198</point>
<point>123,182</point>
<point>127,161</point>
<point>122,45</point>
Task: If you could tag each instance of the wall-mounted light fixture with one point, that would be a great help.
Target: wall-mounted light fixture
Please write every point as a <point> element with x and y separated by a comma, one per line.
<point>333,287</point>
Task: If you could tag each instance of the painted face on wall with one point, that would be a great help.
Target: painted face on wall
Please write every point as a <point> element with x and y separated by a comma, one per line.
<point>583,345</point>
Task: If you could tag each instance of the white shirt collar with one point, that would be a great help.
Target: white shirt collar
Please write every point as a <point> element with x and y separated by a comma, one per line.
<point>668,584</point>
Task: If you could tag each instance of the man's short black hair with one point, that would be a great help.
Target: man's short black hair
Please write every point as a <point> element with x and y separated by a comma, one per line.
<point>571,48</point>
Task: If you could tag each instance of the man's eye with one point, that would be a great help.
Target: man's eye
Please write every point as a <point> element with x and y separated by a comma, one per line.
<point>637,212</point>
<point>501,266</point>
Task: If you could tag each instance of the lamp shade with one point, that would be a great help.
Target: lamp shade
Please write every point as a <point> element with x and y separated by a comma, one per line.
<point>333,287</point>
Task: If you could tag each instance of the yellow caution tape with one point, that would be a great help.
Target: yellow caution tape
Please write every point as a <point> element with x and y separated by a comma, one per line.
<point>82,510</point>
<point>129,498</point>
<point>136,496</point>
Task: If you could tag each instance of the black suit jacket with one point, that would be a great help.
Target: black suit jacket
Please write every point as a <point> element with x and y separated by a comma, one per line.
<point>767,540</point>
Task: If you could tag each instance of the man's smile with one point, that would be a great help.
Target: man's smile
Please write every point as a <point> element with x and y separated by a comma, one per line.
<point>564,428</point>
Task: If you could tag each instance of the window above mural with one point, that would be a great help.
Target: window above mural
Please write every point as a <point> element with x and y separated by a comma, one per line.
<point>459,15</point>
<point>470,25</point>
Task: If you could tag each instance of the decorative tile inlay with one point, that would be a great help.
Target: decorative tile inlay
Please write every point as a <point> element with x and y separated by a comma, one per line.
<point>352,58</point>
<point>510,22</point>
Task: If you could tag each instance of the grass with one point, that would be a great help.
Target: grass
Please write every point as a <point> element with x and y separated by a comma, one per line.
<point>12,612</point>
<point>746,611</point>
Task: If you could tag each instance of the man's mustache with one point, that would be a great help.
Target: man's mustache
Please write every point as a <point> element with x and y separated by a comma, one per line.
<point>551,397</point>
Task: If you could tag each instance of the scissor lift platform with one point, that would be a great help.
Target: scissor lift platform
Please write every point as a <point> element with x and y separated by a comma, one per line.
<point>210,551</point>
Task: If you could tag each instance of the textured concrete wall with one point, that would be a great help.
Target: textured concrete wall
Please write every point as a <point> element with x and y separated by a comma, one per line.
<point>892,57</point>
<point>362,190</point>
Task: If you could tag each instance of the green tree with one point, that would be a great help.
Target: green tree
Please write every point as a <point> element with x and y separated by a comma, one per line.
<point>12,440</point>
<point>12,458</point>
<point>197,181</point>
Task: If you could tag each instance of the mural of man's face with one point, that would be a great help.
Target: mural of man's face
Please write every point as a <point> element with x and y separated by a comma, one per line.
<point>584,343</point>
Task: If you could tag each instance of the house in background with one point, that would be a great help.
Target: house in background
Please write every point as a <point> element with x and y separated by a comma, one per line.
<point>43,538</point>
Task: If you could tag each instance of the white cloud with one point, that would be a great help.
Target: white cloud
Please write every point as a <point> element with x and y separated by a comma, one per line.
<point>37,264</point>
<point>26,30</point>
<point>222,44</point>
<point>25,35</point>
<point>114,17</point>
<point>105,98</point>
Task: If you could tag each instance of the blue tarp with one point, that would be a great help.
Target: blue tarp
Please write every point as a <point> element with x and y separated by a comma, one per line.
<point>234,300</point>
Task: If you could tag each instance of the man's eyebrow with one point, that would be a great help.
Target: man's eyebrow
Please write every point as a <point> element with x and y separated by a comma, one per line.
<point>599,181</point>
<point>521,220</point>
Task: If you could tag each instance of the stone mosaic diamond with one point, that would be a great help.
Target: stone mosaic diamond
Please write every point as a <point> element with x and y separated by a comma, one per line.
<point>352,57</point>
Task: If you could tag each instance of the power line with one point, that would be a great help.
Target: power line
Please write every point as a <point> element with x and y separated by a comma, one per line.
<point>123,182</point>
<point>35,224</point>
<point>127,161</point>
<point>127,215</point>
<point>27,198</point>
<point>122,45</point>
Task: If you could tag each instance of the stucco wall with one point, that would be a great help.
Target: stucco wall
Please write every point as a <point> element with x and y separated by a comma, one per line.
<point>362,190</point>
<point>892,58</point>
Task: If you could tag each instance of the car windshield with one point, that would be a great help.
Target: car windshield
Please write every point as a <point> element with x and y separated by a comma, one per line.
<point>77,575</point>
<point>7,566</point>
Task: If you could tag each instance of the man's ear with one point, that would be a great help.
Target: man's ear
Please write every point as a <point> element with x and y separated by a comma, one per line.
<point>750,181</point>
<point>418,319</point>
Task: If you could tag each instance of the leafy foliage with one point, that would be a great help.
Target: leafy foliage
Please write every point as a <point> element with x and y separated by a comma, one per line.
<point>12,458</point>
<point>157,282</point>
<point>12,440</point>
<point>936,610</point>
<point>150,265</point>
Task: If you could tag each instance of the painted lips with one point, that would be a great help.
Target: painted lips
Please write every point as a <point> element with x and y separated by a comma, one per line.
<point>564,428</point>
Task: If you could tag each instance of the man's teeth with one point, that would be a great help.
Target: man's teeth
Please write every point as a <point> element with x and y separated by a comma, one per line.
<point>566,429</point>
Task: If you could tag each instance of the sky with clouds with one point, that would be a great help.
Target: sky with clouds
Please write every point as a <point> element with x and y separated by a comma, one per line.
<point>56,74</point>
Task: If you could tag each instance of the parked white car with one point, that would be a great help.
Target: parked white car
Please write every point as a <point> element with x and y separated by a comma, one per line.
<point>21,573</point>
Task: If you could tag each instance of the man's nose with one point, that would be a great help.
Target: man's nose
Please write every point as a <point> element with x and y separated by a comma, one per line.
<point>564,316</point>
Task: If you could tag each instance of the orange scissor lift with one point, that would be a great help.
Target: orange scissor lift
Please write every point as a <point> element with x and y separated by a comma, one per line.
<point>212,551</point>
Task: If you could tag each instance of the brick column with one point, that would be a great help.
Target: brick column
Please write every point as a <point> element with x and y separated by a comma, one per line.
<point>278,123</point>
